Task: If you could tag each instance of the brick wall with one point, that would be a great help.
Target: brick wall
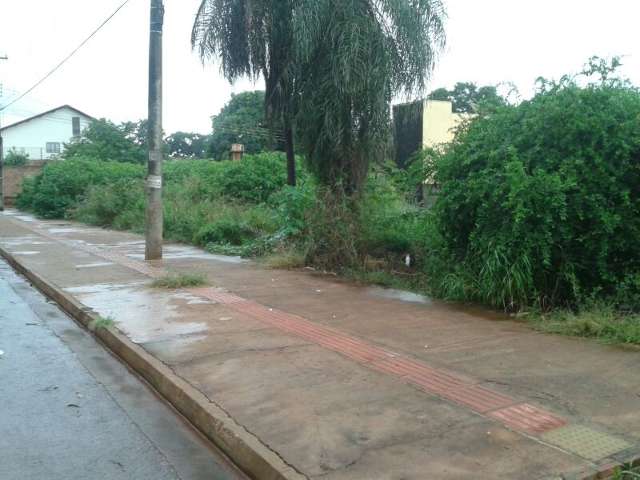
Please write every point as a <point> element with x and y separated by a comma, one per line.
<point>13,176</point>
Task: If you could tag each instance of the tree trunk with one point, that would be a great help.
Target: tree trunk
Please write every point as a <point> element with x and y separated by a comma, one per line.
<point>291,156</point>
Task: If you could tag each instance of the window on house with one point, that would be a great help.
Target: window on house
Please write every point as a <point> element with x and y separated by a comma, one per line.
<point>53,147</point>
<point>76,126</point>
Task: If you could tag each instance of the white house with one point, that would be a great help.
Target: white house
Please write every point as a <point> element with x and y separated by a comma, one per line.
<point>43,136</point>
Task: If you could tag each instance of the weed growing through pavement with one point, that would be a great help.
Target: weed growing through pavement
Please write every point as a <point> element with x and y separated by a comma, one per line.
<point>100,323</point>
<point>627,473</point>
<point>174,281</point>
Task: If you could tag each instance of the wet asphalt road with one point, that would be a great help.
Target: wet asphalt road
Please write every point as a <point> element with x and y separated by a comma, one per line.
<point>70,411</point>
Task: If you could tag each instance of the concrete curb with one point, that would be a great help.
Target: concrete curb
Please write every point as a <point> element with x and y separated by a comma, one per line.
<point>241,446</point>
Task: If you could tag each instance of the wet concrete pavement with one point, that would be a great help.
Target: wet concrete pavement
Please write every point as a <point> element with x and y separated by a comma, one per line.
<point>346,381</point>
<point>69,410</point>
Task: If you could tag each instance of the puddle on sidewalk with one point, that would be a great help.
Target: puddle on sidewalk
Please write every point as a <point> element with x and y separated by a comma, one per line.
<point>22,241</point>
<point>18,215</point>
<point>180,252</point>
<point>402,295</point>
<point>143,314</point>
<point>94,265</point>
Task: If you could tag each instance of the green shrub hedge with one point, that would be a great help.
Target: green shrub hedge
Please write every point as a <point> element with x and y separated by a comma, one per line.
<point>540,202</point>
<point>62,184</point>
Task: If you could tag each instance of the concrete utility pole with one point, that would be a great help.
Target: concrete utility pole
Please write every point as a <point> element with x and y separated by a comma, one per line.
<point>154,224</point>
<point>1,152</point>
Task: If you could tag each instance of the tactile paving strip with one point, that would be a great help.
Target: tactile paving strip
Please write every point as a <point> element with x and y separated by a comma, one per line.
<point>585,442</point>
<point>447,385</point>
<point>527,418</point>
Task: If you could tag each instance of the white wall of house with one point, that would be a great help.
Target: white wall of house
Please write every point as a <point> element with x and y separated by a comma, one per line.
<point>43,137</point>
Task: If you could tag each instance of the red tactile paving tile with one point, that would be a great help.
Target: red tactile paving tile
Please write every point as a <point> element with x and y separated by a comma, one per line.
<point>527,418</point>
<point>478,398</point>
<point>326,337</point>
<point>216,295</point>
<point>430,379</point>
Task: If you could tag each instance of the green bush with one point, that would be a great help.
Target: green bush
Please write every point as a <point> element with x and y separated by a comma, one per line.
<point>61,185</point>
<point>540,202</point>
<point>119,205</point>
<point>292,205</point>
<point>253,179</point>
<point>103,140</point>
<point>224,231</point>
<point>389,223</point>
<point>15,158</point>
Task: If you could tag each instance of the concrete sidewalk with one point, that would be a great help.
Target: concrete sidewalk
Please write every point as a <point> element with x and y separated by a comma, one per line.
<point>71,411</point>
<point>341,381</point>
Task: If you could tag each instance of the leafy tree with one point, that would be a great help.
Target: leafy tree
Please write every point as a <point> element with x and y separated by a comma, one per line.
<point>137,132</point>
<point>334,64</point>
<point>187,145</point>
<point>241,120</point>
<point>254,38</point>
<point>540,202</point>
<point>468,98</point>
<point>103,140</point>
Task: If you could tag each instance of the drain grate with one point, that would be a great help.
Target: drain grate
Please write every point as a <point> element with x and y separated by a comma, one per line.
<point>585,442</point>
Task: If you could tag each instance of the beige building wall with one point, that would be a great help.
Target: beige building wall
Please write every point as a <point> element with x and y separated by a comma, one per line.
<point>439,123</point>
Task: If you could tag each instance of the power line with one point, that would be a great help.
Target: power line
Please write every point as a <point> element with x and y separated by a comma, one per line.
<point>37,84</point>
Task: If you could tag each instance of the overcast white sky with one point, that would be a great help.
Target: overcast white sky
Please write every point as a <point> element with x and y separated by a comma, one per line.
<point>489,42</point>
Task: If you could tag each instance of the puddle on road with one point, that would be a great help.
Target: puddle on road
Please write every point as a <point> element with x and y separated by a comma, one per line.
<point>143,314</point>
<point>401,295</point>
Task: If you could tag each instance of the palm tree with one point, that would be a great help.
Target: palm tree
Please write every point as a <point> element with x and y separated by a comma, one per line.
<point>332,65</point>
<point>252,38</point>
<point>356,56</point>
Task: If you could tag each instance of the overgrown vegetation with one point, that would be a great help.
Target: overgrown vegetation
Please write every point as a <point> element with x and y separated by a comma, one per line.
<point>14,158</point>
<point>101,323</point>
<point>540,202</point>
<point>331,69</point>
<point>592,320</point>
<point>628,472</point>
<point>62,185</point>
<point>538,211</point>
<point>174,281</point>
<point>238,208</point>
